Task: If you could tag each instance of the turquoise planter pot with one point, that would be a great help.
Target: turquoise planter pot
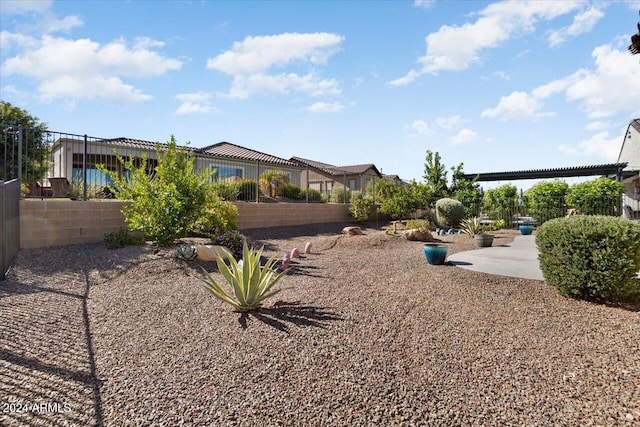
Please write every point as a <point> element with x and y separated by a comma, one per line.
<point>435,253</point>
<point>526,229</point>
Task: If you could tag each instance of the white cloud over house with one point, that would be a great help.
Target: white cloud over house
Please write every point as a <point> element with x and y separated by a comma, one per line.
<point>610,87</point>
<point>195,103</point>
<point>582,23</point>
<point>456,48</point>
<point>326,107</point>
<point>269,64</point>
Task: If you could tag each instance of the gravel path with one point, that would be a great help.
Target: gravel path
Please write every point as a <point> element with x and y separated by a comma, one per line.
<point>365,333</point>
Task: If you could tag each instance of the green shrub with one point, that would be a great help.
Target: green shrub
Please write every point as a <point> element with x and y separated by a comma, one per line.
<point>360,206</point>
<point>220,216</point>
<point>271,180</point>
<point>449,212</point>
<point>500,202</point>
<point>420,224</point>
<point>591,257</point>
<point>545,200</point>
<point>340,195</point>
<point>123,237</point>
<point>313,195</point>
<point>289,191</point>
<point>250,282</point>
<point>247,189</point>
<point>596,197</point>
<point>225,190</point>
<point>169,200</point>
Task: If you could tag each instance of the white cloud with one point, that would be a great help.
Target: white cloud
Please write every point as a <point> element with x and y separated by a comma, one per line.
<point>195,102</point>
<point>502,74</point>
<point>600,145</point>
<point>326,107</point>
<point>613,86</point>
<point>425,4</point>
<point>420,127</point>
<point>517,106</point>
<point>249,63</point>
<point>464,136</point>
<point>82,69</point>
<point>595,126</point>
<point>450,122</point>
<point>582,23</point>
<point>456,48</point>
<point>20,7</point>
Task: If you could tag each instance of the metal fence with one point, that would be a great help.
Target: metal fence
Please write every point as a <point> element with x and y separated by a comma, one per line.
<point>9,223</point>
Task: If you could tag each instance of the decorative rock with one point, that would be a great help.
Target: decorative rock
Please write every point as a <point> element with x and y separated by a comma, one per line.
<point>352,231</point>
<point>451,231</point>
<point>210,252</point>
<point>295,253</point>
<point>418,235</point>
<point>307,248</point>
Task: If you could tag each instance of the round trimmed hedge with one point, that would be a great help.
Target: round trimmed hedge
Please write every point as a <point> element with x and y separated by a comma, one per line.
<point>591,257</point>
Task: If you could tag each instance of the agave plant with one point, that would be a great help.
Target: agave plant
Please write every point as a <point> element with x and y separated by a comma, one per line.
<point>250,282</point>
<point>472,226</point>
<point>187,251</point>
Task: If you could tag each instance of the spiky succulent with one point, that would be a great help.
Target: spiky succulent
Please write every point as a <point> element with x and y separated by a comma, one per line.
<point>250,282</point>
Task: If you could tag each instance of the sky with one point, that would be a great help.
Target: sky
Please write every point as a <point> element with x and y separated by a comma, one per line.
<point>498,86</point>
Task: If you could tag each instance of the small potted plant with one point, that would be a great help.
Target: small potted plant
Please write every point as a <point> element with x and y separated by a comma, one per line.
<point>474,228</point>
<point>435,253</point>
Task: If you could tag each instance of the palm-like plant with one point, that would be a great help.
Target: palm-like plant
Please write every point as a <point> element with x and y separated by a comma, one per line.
<point>250,282</point>
<point>472,226</point>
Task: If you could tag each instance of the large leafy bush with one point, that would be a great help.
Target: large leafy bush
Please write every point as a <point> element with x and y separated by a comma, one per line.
<point>545,200</point>
<point>449,212</point>
<point>340,195</point>
<point>500,202</point>
<point>591,257</point>
<point>247,189</point>
<point>360,206</point>
<point>597,197</point>
<point>171,199</point>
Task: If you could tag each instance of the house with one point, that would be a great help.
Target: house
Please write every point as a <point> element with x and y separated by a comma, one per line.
<point>630,154</point>
<point>230,162</point>
<point>325,177</point>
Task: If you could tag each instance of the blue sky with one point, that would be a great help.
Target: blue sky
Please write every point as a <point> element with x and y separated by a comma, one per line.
<point>496,85</point>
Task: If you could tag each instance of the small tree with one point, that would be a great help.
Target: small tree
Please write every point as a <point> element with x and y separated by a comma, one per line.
<point>271,180</point>
<point>545,200</point>
<point>466,191</point>
<point>172,199</point>
<point>360,206</point>
<point>596,197</point>
<point>500,202</point>
<point>435,175</point>
<point>35,151</point>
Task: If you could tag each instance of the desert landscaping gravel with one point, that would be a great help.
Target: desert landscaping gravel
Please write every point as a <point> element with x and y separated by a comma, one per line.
<point>364,333</point>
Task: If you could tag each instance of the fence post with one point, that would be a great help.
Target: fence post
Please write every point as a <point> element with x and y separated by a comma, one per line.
<point>307,192</point>
<point>84,169</point>
<point>258,182</point>
<point>20,133</point>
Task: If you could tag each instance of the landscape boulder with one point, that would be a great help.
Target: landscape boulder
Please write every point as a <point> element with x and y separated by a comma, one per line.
<point>352,231</point>
<point>209,252</point>
<point>418,235</point>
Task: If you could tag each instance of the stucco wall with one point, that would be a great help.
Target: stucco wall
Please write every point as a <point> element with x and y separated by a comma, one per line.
<point>46,223</point>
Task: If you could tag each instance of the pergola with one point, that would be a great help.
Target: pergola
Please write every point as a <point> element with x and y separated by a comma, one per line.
<point>611,170</point>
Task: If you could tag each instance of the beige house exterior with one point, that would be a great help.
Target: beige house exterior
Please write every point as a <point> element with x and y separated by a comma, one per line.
<point>326,178</point>
<point>630,154</point>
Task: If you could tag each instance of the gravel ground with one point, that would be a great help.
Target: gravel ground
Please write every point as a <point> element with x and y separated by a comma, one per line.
<point>365,332</point>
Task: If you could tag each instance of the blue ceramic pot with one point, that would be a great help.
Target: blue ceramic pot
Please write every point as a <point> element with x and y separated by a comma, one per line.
<point>526,229</point>
<point>435,253</point>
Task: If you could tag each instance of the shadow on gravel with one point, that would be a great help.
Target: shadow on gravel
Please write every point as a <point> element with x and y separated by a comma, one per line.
<point>47,366</point>
<point>284,313</point>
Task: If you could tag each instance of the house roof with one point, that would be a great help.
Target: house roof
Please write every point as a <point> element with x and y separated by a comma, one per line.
<point>233,151</point>
<point>221,149</point>
<point>630,150</point>
<point>337,170</point>
<point>607,169</point>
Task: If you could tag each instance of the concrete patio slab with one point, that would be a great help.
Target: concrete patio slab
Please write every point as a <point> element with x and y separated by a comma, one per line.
<point>516,259</point>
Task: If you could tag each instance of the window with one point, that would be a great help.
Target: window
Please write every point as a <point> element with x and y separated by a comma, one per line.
<point>227,173</point>
<point>315,186</point>
<point>352,184</point>
<point>329,187</point>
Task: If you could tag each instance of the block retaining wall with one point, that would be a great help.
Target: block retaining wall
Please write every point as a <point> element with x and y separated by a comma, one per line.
<point>45,223</point>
